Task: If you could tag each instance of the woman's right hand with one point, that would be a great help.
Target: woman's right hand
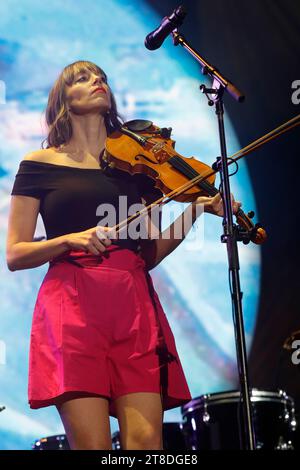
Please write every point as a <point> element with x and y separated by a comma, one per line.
<point>214,205</point>
<point>94,240</point>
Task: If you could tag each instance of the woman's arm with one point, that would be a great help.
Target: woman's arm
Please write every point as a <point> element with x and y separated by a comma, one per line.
<point>155,250</point>
<point>21,251</point>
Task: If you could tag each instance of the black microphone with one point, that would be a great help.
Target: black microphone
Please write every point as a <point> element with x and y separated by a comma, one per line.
<point>155,39</point>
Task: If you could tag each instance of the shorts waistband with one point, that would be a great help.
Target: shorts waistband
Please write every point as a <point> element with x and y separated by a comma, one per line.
<point>114,256</point>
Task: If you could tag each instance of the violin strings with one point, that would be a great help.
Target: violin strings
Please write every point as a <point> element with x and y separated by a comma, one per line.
<point>199,178</point>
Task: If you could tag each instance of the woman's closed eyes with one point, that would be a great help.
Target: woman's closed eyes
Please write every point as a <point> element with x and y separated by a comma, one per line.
<point>103,79</point>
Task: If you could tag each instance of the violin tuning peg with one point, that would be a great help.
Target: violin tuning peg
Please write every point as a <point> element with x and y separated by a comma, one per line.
<point>251,214</point>
<point>166,132</point>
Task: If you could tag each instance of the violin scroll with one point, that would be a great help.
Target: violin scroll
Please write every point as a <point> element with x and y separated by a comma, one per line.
<point>254,233</point>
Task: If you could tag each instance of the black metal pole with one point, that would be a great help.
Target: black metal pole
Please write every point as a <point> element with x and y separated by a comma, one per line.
<point>230,238</point>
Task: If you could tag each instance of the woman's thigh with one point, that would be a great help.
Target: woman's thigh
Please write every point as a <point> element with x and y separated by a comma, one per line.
<point>140,417</point>
<point>86,422</point>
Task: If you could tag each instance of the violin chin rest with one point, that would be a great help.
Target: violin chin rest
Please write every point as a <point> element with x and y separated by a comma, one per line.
<point>138,125</point>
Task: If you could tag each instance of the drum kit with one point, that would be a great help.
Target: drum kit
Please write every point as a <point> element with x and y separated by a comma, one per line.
<point>212,422</point>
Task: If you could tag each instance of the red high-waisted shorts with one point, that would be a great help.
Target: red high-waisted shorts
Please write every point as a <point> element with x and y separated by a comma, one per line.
<point>99,329</point>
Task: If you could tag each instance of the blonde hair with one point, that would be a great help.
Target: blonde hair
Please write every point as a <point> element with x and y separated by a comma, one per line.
<point>57,114</point>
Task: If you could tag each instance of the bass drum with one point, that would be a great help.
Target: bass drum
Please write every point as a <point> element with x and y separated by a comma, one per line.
<point>172,437</point>
<point>211,422</point>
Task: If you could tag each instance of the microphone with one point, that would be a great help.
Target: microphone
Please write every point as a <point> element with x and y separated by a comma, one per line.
<point>155,39</point>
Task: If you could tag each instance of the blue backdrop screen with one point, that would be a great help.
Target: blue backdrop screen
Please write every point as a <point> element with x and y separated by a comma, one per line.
<point>37,41</point>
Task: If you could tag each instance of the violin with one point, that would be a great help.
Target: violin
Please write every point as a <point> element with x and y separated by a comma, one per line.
<point>142,147</point>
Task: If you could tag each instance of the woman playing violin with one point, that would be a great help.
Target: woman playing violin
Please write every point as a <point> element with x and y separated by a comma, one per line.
<point>101,344</point>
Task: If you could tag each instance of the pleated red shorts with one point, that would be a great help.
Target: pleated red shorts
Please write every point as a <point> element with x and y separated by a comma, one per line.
<point>99,329</point>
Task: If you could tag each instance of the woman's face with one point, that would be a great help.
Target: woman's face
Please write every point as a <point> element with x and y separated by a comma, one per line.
<point>89,93</point>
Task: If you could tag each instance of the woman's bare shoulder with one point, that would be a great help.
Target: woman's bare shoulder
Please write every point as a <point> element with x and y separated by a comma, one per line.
<point>41,155</point>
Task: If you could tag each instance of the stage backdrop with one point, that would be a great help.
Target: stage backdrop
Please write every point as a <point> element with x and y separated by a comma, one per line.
<point>37,41</point>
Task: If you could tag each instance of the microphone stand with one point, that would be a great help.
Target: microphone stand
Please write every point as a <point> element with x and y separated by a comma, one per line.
<point>231,231</point>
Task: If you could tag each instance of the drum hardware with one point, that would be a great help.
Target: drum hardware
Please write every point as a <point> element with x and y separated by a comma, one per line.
<point>212,421</point>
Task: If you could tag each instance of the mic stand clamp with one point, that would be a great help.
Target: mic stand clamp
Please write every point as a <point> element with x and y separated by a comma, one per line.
<point>231,233</point>
<point>242,235</point>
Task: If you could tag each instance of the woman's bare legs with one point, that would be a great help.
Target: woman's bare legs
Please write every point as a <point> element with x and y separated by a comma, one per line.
<point>86,423</point>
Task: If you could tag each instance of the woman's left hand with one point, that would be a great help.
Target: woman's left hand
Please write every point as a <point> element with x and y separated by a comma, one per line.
<point>214,205</point>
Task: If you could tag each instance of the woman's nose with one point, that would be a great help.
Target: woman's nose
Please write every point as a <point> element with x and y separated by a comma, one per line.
<point>98,80</point>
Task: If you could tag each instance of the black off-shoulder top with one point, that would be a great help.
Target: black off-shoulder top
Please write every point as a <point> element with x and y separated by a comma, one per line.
<point>74,199</point>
